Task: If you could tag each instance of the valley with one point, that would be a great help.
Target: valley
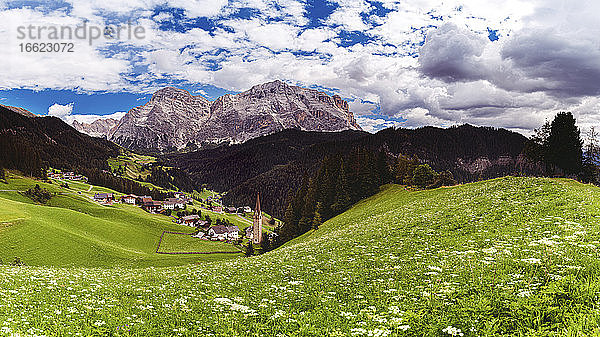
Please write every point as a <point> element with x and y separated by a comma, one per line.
<point>300,168</point>
<point>73,230</point>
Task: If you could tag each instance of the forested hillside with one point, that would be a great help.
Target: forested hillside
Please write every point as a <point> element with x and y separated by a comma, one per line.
<point>34,144</point>
<point>31,144</point>
<point>275,165</point>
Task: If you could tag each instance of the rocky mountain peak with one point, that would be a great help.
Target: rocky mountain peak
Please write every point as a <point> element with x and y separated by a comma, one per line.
<point>98,128</point>
<point>175,119</point>
<point>171,93</point>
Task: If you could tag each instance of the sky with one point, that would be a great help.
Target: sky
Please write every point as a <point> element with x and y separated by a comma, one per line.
<point>512,64</point>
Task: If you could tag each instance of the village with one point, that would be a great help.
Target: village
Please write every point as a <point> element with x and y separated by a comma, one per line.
<point>175,207</point>
<point>185,210</point>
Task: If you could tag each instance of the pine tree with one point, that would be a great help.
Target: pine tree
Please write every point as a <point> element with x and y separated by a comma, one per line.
<point>405,167</point>
<point>383,170</point>
<point>590,171</point>
<point>564,145</point>
<point>317,220</point>
<point>2,174</point>
<point>249,249</point>
<point>342,197</point>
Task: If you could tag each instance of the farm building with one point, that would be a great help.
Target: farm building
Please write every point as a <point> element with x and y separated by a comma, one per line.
<point>249,232</point>
<point>104,197</point>
<point>141,200</point>
<point>153,206</point>
<point>128,199</point>
<point>223,233</point>
<point>190,220</point>
<point>174,203</point>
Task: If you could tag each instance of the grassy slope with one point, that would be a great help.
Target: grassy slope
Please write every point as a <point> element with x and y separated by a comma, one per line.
<point>510,256</point>
<point>184,243</point>
<point>134,164</point>
<point>78,232</point>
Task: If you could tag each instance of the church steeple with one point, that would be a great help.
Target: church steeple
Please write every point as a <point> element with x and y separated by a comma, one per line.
<point>257,225</point>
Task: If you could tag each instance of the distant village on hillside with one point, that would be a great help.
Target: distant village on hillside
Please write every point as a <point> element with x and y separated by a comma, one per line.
<point>218,232</point>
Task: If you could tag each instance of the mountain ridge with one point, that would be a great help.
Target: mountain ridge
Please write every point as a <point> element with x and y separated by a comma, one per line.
<point>275,165</point>
<point>174,119</point>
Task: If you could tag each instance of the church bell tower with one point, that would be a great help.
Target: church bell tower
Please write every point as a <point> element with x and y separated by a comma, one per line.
<point>257,226</point>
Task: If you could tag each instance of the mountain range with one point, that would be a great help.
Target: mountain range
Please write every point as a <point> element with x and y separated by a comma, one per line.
<point>174,119</point>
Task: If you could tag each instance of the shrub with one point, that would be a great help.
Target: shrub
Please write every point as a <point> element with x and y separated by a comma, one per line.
<point>423,176</point>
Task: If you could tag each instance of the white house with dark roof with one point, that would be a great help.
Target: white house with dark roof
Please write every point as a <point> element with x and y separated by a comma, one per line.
<point>104,197</point>
<point>223,233</point>
<point>129,199</point>
<point>174,203</point>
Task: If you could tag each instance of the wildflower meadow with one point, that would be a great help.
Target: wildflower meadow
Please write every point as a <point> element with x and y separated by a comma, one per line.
<point>511,256</point>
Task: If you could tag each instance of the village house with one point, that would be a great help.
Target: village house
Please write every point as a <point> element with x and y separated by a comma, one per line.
<point>128,199</point>
<point>169,205</point>
<point>104,198</point>
<point>174,203</point>
<point>189,220</point>
<point>231,210</point>
<point>200,235</point>
<point>217,209</point>
<point>179,195</point>
<point>153,206</point>
<point>223,233</point>
<point>249,232</point>
<point>247,209</point>
<point>65,176</point>
<point>141,200</point>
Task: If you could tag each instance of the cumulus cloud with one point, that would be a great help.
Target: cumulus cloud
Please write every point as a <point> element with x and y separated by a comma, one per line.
<point>60,111</point>
<point>452,53</point>
<point>91,118</point>
<point>375,124</point>
<point>66,113</point>
<point>425,61</point>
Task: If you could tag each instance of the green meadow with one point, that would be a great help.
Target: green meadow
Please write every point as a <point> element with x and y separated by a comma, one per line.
<point>505,257</point>
<point>133,162</point>
<point>72,230</point>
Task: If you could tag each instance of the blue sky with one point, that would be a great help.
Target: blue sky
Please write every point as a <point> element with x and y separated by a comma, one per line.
<point>398,63</point>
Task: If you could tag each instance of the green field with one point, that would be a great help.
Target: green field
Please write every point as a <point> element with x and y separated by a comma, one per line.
<point>506,257</point>
<point>72,230</point>
<point>185,243</point>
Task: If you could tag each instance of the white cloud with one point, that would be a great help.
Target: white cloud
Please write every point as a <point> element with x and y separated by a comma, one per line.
<point>375,124</point>
<point>547,58</point>
<point>65,112</point>
<point>60,111</point>
<point>91,118</point>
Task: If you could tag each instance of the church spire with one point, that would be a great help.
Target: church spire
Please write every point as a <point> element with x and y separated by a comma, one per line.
<point>257,225</point>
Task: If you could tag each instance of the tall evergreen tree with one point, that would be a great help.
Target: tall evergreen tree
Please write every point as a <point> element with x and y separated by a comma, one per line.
<point>383,170</point>
<point>317,220</point>
<point>342,197</point>
<point>564,145</point>
<point>590,170</point>
<point>405,167</point>
<point>308,211</point>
